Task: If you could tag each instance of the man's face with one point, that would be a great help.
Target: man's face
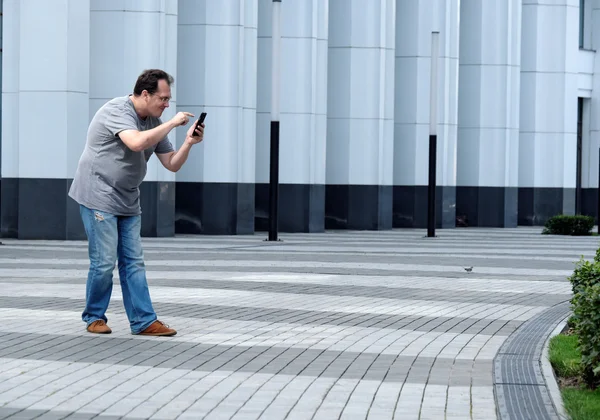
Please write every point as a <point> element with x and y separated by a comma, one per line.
<point>159,100</point>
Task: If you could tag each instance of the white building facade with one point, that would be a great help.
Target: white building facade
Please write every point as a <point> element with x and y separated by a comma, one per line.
<point>517,116</point>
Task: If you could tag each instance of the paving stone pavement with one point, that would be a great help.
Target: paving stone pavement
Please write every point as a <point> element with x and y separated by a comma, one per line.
<point>375,325</point>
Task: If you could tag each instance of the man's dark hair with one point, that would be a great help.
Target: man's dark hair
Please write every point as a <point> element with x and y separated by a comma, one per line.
<point>148,80</point>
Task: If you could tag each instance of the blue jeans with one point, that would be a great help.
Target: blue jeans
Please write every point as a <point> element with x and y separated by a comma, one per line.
<point>110,238</point>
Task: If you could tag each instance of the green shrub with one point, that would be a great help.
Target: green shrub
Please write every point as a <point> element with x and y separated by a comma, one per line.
<point>562,224</point>
<point>586,273</point>
<point>585,321</point>
<point>571,322</point>
<point>586,309</point>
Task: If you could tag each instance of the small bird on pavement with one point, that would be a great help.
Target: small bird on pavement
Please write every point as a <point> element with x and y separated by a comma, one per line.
<point>468,269</point>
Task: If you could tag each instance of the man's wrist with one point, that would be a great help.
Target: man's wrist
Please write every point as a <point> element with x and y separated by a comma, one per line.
<point>171,124</point>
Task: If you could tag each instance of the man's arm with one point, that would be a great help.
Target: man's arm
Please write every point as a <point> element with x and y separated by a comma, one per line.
<point>141,140</point>
<point>173,161</point>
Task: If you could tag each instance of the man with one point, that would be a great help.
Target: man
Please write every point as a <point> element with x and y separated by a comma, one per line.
<point>121,138</point>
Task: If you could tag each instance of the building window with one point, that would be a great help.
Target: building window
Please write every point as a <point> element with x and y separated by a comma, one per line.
<point>581,21</point>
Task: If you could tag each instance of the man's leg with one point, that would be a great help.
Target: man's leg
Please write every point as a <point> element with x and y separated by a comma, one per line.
<point>101,230</point>
<point>134,285</point>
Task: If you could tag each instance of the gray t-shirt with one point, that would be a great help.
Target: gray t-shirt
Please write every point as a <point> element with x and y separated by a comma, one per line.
<point>109,173</point>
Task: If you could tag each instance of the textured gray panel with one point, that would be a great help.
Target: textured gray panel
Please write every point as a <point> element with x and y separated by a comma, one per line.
<point>520,388</point>
<point>416,323</point>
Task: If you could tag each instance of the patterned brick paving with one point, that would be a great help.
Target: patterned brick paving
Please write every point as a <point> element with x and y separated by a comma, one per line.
<point>375,325</point>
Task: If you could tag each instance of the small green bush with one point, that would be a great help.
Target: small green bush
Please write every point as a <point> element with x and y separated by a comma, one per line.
<point>586,308</point>
<point>585,321</point>
<point>563,224</point>
<point>571,322</point>
<point>586,273</point>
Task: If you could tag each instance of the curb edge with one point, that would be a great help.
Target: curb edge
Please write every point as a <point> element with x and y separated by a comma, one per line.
<point>548,372</point>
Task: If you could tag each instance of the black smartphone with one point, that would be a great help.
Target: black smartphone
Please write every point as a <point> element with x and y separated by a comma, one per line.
<point>200,121</point>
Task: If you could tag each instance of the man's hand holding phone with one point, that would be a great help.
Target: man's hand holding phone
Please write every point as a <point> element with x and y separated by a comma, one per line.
<point>195,133</point>
<point>181,118</point>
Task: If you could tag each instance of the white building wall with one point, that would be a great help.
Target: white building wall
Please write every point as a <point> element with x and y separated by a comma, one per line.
<point>415,21</point>
<point>217,49</point>
<point>589,162</point>
<point>488,113</point>
<point>303,112</point>
<point>303,91</point>
<point>45,113</point>
<point>11,42</point>
<point>548,109</point>
<point>360,109</point>
<point>592,131</point>
<point>355,107</point>
<point>56,96</point>
<point>9,166</point>
<point>588,91</point>
<point>216,43</point>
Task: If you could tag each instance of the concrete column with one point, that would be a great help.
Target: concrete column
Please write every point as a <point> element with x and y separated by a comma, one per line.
<point>9,146</point>
<point>303,115</point>
<point>45,102</point>
<point>589,155</point>
<point>216,50</point>
<point>415,21</point>
<point>548,110</point>
<point>591,114</point>
<point>141,37</point>
<point>360,109</point>
<point>488,113</point>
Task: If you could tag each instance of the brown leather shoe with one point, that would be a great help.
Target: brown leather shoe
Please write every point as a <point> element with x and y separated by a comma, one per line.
<point>158,328</point>
<point>99,327</point>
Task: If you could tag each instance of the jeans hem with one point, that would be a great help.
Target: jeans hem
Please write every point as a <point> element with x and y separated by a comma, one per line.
<point>144,327</point>
<point>88,323</point>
